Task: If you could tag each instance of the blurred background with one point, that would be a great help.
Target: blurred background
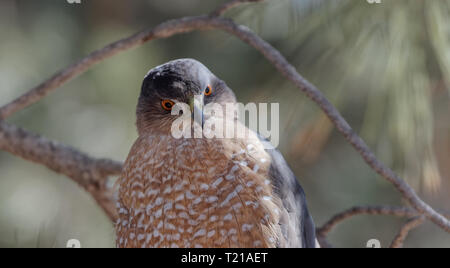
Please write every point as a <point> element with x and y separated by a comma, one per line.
<point>385,66</point>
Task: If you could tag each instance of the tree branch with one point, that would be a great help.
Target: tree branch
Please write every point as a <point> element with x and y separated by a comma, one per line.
<point>289,71</point>
<point>404,231</point>
<point>88,172</point>
<point>163,30</point>
<point>368,210</point>
<point>323,231</point>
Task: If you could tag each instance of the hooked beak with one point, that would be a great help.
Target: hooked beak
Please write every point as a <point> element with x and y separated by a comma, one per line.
<point>196,105</point>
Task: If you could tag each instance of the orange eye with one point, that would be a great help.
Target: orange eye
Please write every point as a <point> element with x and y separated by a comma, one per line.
<point>167,105</point>
<point>208,91</point>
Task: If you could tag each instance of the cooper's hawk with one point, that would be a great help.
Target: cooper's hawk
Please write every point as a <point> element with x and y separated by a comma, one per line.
<point>204,192</point>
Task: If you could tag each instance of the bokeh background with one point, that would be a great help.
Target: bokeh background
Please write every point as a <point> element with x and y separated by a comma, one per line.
<point>385,66</point>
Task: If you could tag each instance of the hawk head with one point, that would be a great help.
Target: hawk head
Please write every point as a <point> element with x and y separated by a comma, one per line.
<point>184,81</point>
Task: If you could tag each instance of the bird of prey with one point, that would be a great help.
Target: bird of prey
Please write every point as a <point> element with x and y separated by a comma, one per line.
<point>204,192</point>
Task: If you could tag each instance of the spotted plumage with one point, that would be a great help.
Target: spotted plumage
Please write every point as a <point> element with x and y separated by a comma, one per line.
<point>199,192</point>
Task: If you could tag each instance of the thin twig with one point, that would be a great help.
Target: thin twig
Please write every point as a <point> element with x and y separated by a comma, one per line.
<point>405,229</point>
<point>163,30</point>
<point>323,231</point>
<point>369,210</point>
<point>88,172</point>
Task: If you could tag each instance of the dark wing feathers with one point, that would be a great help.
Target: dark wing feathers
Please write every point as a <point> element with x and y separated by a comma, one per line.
<point>297,224</point>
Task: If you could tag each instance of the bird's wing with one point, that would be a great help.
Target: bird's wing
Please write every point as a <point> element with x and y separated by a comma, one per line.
<point>296,223</point>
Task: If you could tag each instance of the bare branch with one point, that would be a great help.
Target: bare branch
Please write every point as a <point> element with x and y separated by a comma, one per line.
<point>88,172</point>
<point>369,210</point>
<point>164,30</point>
<point>323,231</point>
<point>289,71</point>
<point>405,229</point>
<point>229,5</point>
